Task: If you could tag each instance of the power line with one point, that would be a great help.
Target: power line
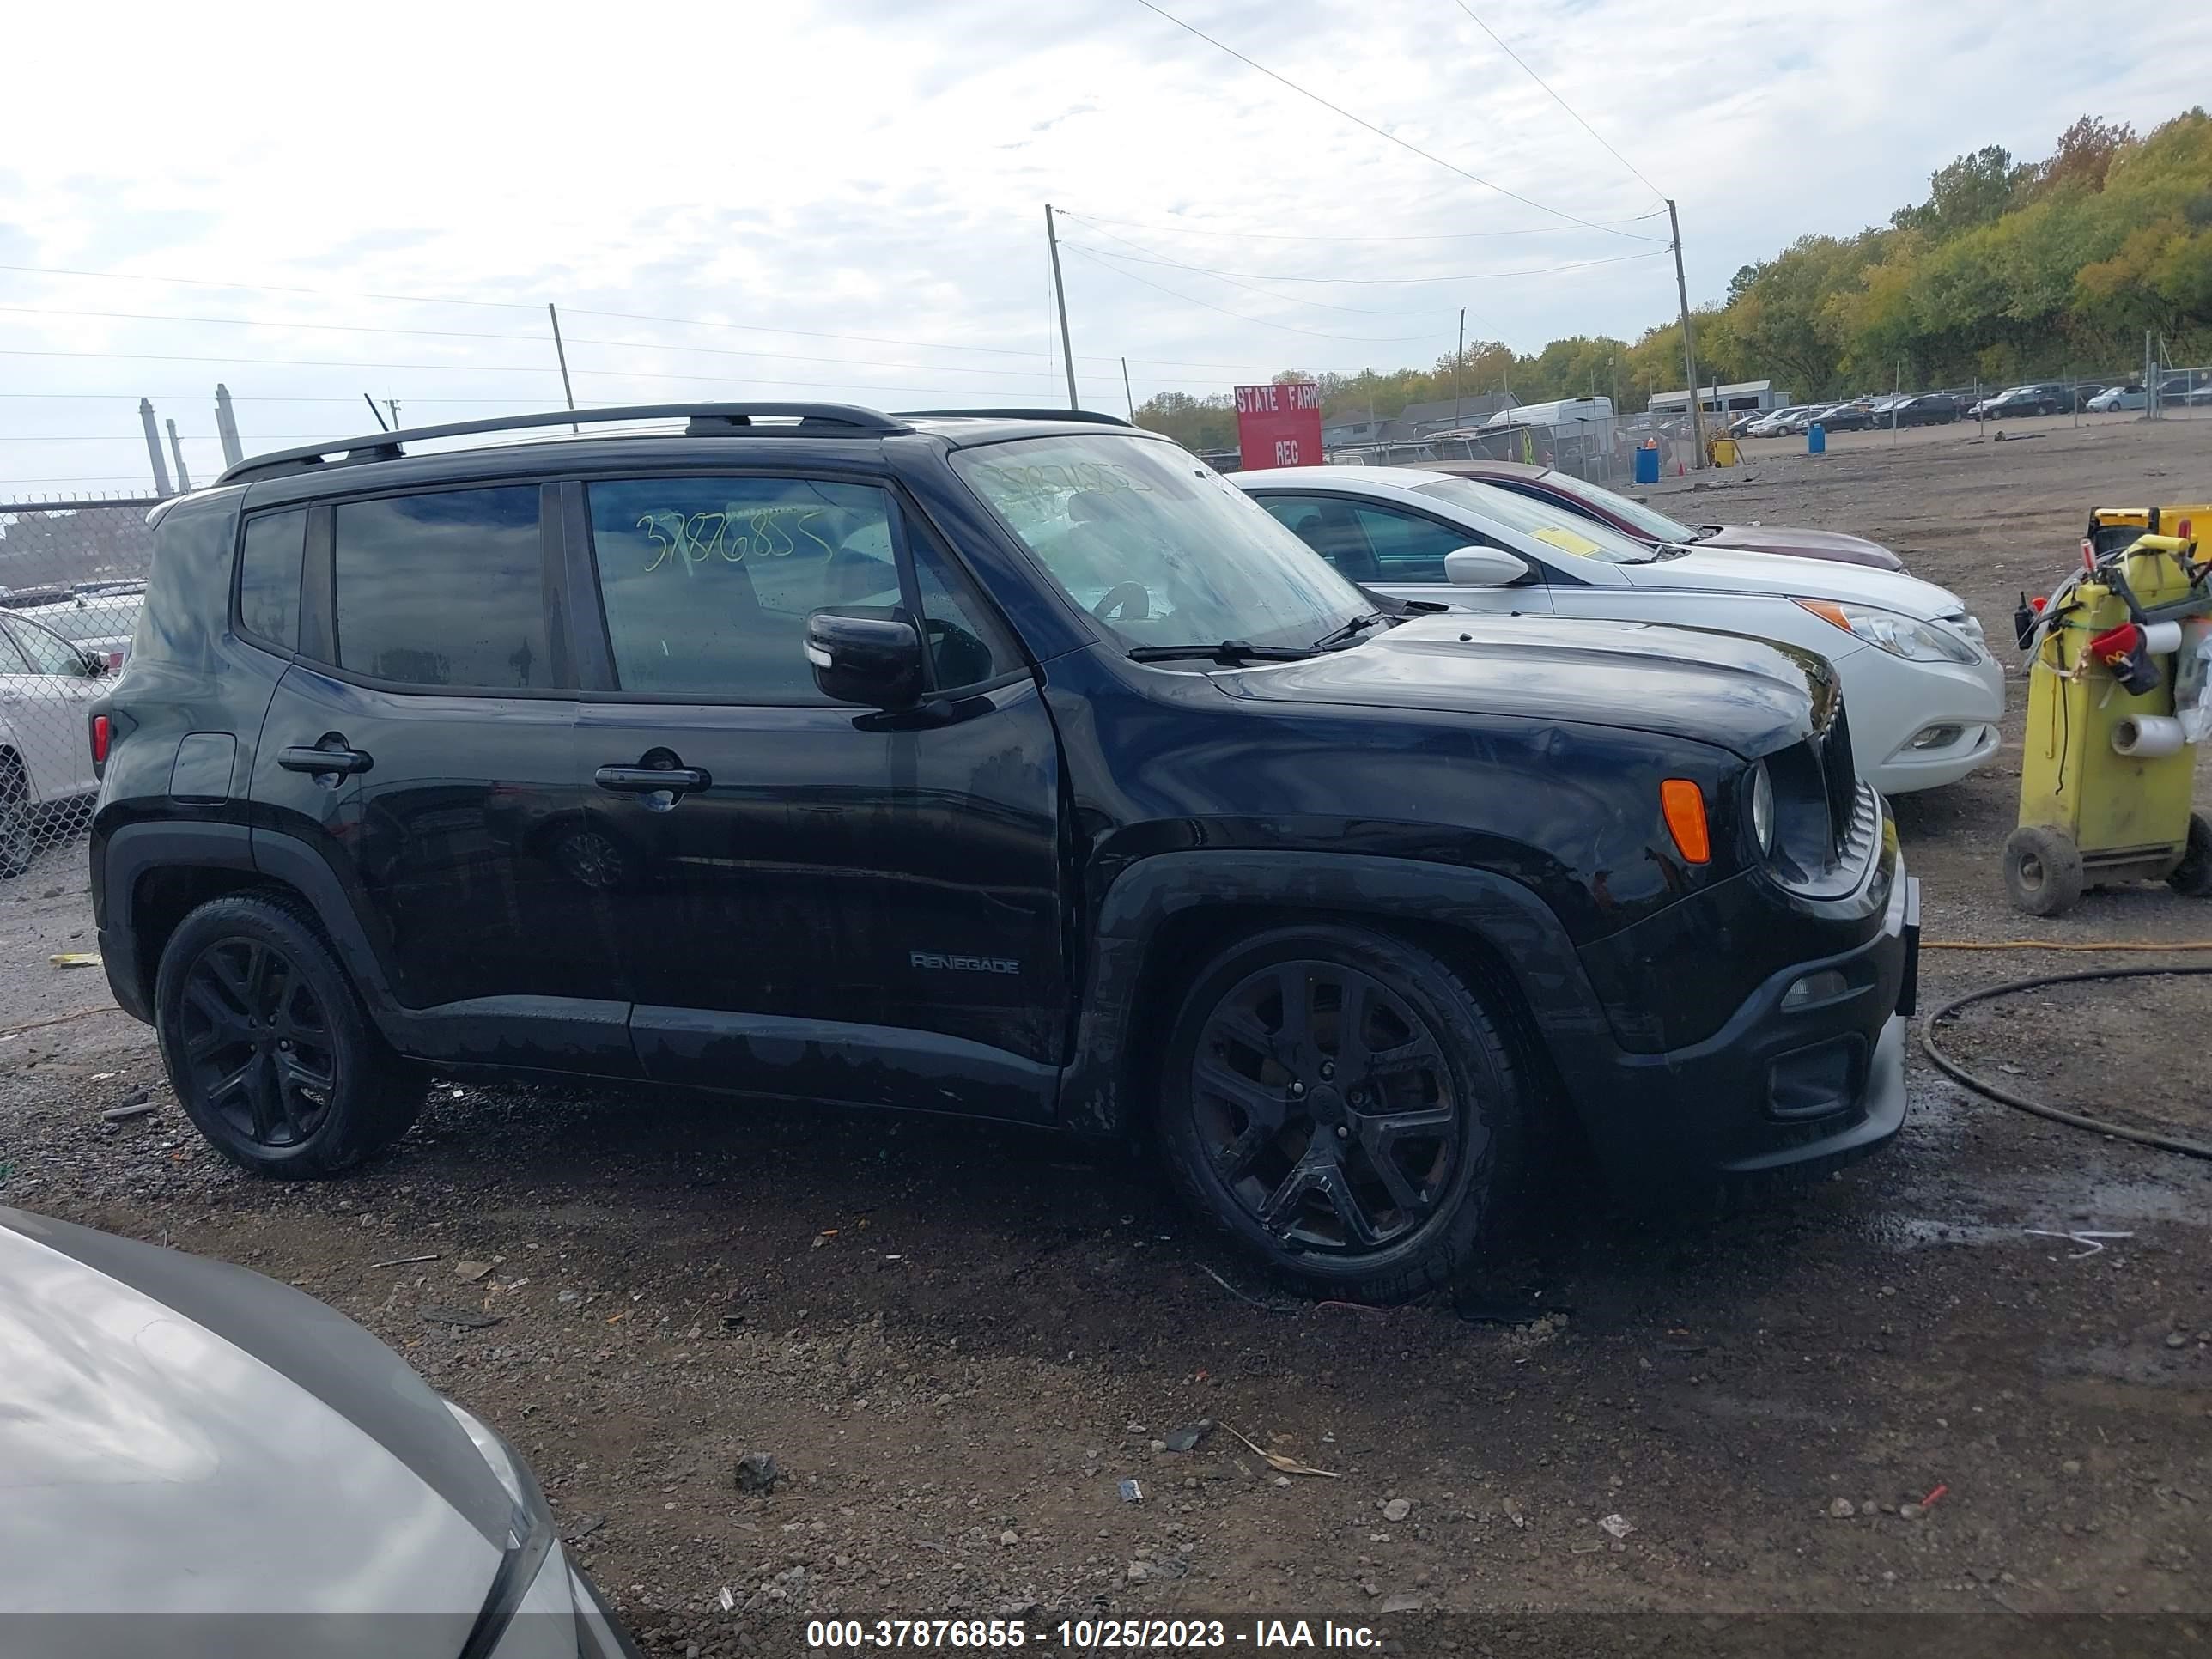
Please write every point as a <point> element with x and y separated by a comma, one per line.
<point>1381,132</point>
<point>1560,101</point>
<point>1288,328</point>
<point>1288,236</point>
<point>624,316</point>
<point>481,334</point>
<point>1230,277</point>
<point>1381,282</point>
<point>504,305</point>
<point>519,368</point>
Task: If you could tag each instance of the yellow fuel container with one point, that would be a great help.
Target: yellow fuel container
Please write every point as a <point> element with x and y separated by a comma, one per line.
<point>2104,796</point>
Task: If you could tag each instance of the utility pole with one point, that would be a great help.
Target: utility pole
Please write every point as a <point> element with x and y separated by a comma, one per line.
<point>1060,299</point>
<point>153,447</point>
<point>1459,371</point>
<point>1689,344</point>
<point>1127,393</point>
<point>560,351</point>
<point>177,449</point>
<point>226,425</point>
<point>393,404</point>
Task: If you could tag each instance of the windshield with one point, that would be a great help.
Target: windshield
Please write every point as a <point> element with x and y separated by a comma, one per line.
<point>1554,526</point>
<point>1648,521</point>
<point>1157,545</point>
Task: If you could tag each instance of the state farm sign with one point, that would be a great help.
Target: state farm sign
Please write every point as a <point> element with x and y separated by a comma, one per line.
<point>1279,425</point>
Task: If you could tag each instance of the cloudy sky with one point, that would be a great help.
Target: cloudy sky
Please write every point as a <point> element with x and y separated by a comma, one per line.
<point>845,201</point>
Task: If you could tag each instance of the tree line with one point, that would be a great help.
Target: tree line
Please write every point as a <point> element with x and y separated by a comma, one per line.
<point>2010,271</point>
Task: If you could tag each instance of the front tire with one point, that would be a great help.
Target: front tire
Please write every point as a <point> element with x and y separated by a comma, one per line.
<point>267,1047</point>
<point>1346,1108</point>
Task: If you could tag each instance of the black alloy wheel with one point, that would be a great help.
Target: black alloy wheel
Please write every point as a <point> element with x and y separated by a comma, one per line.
<point>268,1045</point>
<point>1324,1102</point>
<point>257,1043</point>
<point>1343,1105</point>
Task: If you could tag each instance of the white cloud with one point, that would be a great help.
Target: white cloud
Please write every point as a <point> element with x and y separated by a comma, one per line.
<point>866,168</point>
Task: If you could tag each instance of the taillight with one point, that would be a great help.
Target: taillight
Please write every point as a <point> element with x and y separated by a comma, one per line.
<point>103,733</point>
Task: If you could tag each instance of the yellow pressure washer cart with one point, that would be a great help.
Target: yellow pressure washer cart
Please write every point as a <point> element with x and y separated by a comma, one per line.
<point>2116,701</point>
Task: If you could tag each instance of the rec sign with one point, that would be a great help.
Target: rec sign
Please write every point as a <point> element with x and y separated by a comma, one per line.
<point>1279,425</point>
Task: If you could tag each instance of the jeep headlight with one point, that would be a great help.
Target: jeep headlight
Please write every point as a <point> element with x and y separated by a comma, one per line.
<point>1892,631</point>
<point>1762,808</point>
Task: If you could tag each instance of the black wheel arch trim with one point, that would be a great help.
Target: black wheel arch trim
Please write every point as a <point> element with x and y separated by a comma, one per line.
<point>1359,889</point>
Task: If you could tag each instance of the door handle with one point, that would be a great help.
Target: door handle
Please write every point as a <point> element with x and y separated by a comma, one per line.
<point>650,779</point>
<point>337,759</point>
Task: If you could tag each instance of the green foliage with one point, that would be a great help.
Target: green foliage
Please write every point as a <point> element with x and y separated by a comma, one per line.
<point>2007,271</point>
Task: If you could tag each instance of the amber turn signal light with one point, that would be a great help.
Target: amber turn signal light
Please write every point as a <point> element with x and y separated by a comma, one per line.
<point>1684,804</point>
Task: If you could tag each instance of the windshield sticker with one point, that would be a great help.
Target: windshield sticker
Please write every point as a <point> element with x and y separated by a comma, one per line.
<point>735,534</point>
<point>1567,541</point>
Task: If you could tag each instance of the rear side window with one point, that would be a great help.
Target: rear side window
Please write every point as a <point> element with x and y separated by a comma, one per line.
<point>268,578</point>
<point>708,582</point>
<point>445,588</point>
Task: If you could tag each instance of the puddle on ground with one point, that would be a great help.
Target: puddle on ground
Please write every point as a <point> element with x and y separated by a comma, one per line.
<point>2048,1203</point>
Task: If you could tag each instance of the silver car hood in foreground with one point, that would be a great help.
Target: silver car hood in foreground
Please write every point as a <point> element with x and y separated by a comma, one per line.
<point>180,1436</point>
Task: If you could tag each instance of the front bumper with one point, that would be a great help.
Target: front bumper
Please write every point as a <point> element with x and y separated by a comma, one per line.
<point>1894,702</point>
<point>1784,1087</point>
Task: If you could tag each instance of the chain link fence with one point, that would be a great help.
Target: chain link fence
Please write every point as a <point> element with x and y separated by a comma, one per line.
<point>72,581</point>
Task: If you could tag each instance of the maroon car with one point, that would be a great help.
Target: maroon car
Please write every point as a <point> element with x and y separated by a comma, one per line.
<point>1646,524</point>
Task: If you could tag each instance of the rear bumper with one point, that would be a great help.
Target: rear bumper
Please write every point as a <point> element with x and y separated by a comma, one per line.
<point>1782,1088</point>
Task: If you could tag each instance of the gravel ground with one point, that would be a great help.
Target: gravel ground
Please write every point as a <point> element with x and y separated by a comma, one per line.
<point>957,1341</point>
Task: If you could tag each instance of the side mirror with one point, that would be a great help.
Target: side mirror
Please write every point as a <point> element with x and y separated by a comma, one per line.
<point>867,655</point>
<point>1484,567</point>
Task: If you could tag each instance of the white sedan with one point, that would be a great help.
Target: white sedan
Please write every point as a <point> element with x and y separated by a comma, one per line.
<point>1925,696</point>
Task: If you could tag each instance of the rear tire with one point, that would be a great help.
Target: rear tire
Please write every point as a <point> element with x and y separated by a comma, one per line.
<point>18,843</point>
<point>1346,1109</point>
<point>268,1046</point>
<point>2192,877</point>
<point>2043,870</point>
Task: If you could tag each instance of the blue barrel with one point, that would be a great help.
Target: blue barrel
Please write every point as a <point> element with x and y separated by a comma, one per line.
<point>1816,439</point>
<point>1647,466</point>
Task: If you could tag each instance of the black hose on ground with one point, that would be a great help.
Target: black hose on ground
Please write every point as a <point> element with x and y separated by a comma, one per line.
<point>2073,1120</point>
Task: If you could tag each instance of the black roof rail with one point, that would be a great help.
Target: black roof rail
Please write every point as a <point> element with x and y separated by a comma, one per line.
<point>1097,417</point>
<point>706,421</point>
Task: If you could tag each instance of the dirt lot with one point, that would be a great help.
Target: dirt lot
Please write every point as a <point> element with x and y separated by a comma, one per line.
<point>958,1341</point>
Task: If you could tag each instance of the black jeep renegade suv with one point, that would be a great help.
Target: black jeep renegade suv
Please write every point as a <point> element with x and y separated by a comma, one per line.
<point>1003,764</point>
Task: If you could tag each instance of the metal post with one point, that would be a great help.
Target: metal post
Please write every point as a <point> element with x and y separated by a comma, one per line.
<point>177,449</point>
<point>226,425</point>
<point>1127,393</point>
<point>1896,389</point>
<point>1060,299</point>
<point>1459,371</point>
<point>393,404</point>
<point>561,352</point>
<point>1689,344</point>
<point>2150,382</point>
<point>153,447</point>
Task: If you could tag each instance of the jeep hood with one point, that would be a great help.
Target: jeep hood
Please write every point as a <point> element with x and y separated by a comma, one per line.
<point>1746,695</point>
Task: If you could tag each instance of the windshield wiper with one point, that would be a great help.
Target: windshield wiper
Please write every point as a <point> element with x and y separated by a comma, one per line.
<point>1350,631</point>
<point>1228,653</point>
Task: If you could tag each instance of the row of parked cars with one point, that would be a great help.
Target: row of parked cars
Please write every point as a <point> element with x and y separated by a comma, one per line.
<point>1321,828</point>
<point>1942,408</point>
